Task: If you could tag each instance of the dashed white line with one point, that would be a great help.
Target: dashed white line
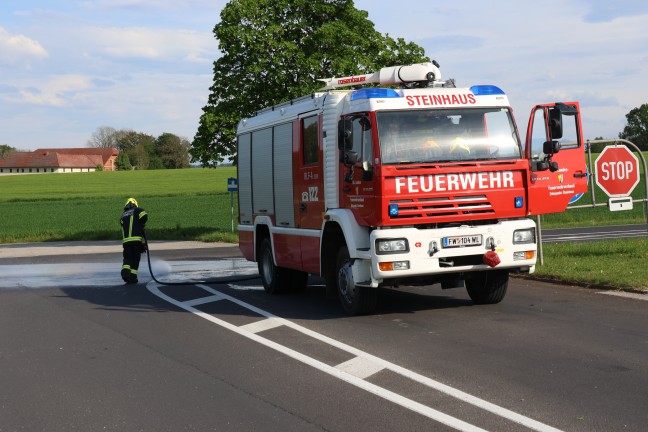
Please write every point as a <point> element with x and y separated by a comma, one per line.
<point>357,369</point>
<point>262,325</point>
<point>360,367</point>
<point>203,300</point>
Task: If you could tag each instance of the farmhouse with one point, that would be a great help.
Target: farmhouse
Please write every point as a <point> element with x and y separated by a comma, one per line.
<point>59,160</point>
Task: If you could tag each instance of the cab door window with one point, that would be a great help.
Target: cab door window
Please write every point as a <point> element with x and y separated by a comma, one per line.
<point>362,139</point>
<point>309,140</point>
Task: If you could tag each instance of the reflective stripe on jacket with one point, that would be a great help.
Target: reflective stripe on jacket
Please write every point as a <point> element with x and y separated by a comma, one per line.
<point>133,221</point>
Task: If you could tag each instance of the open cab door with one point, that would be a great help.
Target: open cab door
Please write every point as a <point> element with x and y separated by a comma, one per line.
<point>556,154</point>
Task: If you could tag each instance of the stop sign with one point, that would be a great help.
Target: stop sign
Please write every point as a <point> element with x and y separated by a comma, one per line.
<point>617,171</point>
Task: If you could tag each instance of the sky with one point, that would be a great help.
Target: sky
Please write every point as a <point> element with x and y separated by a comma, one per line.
<point>69,67</point>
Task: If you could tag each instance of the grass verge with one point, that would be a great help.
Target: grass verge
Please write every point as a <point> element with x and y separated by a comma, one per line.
<point>620,263</point>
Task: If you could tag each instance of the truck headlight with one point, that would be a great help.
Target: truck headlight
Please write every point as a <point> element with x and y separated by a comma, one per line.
<point>524,236</point>
<point>389,246</point>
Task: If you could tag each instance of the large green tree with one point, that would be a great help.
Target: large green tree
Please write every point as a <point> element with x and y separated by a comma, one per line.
<point>636,130</point>
<point>275,50</point>
<point>173,151</point>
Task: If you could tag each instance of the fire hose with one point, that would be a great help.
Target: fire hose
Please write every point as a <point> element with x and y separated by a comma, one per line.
<point>220,280</point>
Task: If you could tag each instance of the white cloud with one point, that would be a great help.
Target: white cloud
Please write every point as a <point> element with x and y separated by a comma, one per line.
<point>19,49</point>
<point>152,44</point>
<point>59,91</point>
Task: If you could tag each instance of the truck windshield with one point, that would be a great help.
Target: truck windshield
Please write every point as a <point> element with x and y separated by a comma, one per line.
<point>469,134</point>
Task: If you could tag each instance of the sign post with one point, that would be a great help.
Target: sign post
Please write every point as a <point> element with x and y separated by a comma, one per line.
<point>232,186</point>
<point>617,171</point>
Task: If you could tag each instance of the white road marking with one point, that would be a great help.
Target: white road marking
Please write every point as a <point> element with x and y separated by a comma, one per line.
<point>262,325</point>
<point>360,367</point>
<point>365,358</point>
<point>203,300</point>
<point>635,296</point>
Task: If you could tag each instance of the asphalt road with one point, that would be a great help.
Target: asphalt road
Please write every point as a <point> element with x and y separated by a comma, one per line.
<point>594,233</point>
<point>80,351</point>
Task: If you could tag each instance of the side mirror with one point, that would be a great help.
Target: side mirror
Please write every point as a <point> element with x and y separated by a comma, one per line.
<point>365,123</point>
<point>555,123</point>
<point>345,133</point>
<point>553,166</point>
<point>551,147</point>
<point>350,157</point>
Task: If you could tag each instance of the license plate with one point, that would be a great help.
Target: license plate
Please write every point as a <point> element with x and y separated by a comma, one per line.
<point>461,241</point>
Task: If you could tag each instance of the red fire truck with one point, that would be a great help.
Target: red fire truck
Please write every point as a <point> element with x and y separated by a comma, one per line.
<point>411,182</point>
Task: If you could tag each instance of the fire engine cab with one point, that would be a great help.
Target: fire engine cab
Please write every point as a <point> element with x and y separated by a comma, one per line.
<point>411,182</point>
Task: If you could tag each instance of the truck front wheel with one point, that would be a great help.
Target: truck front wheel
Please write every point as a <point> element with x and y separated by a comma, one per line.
<point>488,287</point>
<point>355,300</point>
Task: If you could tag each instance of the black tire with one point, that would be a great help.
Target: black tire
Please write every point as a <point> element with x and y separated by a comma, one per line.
<point>277,280</point>
<point>273,277</point>
<point>354,300</point>
<point>488,287</point>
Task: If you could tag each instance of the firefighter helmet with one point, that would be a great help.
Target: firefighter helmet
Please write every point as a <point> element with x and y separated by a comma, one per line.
<point>131,201</point>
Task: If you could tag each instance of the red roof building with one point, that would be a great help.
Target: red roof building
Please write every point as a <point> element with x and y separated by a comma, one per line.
<point>59,160</point>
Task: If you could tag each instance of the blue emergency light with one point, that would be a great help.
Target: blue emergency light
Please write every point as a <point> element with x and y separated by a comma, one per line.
<point>393,210</point>
<point>375,93</point>
<point>486,90</point>
<point>519,202</point>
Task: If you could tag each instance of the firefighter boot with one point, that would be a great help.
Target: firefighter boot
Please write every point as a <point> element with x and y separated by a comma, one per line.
<point>125,275</point>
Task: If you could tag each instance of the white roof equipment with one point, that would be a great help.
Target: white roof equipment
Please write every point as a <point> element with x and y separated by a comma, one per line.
<point>415,75</point>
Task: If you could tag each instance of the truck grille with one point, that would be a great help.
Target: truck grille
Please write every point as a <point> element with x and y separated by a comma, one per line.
<point>443,207</point>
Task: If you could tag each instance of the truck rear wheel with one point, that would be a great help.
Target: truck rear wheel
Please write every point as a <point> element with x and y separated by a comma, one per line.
<point>275,279</point>
<point>355,300</point>
<point>488,287</point>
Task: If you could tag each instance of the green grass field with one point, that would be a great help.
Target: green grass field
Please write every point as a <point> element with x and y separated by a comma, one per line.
<point>183,204</point>
<point>621,263</point>
<point>193,204</point>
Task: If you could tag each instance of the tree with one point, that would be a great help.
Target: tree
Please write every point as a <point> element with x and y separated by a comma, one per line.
<point>173,150</point>
<point>274,50</point>
<point>636,130</point>
<point>103,137</point>
<point>139,156</point>
<point>139,147</point>
<point>122,162</point>
<point>5,150</point>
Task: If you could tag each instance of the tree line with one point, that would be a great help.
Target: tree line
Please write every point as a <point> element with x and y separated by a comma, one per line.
<point>141,151</point>
<point>137,150</point>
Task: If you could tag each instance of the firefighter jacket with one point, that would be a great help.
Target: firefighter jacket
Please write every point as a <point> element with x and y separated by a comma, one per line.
<point>133,221</point>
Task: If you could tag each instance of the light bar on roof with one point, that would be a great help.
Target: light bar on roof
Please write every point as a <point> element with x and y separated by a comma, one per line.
<point>375,93</point>
<point>486,90</point>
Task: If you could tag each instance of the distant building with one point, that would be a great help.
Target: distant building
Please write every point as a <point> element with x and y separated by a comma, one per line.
<point>60,160</point>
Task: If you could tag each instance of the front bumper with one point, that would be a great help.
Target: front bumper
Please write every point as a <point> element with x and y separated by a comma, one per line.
<point>426,255</point>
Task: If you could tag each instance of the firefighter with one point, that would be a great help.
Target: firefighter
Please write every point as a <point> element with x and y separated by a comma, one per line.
<point>453,148</point>
<point>133,220</point>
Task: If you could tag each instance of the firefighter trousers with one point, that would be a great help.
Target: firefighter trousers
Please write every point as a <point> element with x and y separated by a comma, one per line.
<point>132,255</point>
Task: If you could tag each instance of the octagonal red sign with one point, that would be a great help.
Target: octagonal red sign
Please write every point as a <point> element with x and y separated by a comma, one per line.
<point>617,171</point>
